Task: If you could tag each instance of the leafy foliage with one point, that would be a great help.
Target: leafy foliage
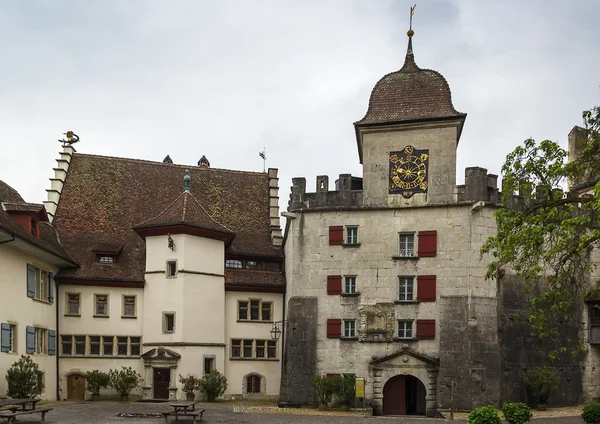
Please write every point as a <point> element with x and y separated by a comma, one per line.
<point>96,381</point>
<point>124,380</point>
<point>543,383</point>
<point>347,389</point>
<point>326,387</point>
<point>591,413</point>
<point>189,384</point>
<point>484,415</point>
<point>24,379</point>
<point>213,385</point>
<point>551,231</point>
<point>516,413</point>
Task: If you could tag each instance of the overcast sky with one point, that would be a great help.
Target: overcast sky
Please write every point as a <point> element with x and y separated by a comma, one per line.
<point>143,79</point>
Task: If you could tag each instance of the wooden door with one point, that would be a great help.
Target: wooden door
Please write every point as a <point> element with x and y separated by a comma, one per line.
<point>75,387</point>
<point>394,396</point>
<point>162,381</point>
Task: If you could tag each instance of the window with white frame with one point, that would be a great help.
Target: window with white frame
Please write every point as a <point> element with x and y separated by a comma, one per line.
<point>406,288</point>
<point>349,328</point>
<point>101,305</point>
<point>351,235</point>
<point>405,329</point>
<point>73,304</point>
<point>129,306</point>
<point>407,245</point>
<point>350,284</point>
<point>40,346</point>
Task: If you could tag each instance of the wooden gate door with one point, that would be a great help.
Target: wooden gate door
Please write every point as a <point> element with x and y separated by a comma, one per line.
<point>394,396</point>
<point>162,381</point>
<point>75,387</point>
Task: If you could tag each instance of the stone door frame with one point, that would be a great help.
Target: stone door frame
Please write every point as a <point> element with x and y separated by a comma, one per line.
<point>159,358</point>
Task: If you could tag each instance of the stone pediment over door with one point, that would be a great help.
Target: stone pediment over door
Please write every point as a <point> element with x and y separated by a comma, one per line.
<point>161,356</point>
<point>406,357</point>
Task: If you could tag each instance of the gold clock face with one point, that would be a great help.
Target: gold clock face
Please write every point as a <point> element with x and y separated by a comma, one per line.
<point>408,171</point>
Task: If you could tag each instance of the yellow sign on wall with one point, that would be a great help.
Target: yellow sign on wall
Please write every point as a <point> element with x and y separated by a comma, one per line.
<point>360,387</point>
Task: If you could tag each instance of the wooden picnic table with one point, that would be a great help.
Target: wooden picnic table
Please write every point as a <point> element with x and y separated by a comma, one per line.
<point>22,402</point>
<point>9,409</point>
<point>185,408</point>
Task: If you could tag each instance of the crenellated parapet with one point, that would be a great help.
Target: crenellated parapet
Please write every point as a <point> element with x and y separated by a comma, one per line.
<point>479,186</point>
<point>348,193</point>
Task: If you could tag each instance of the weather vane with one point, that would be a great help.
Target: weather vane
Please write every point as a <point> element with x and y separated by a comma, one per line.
<point>72,138</point>
<point>263,155</point>
<point>412,12</point>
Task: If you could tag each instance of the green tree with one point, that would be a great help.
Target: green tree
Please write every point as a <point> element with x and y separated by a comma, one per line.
<point>124,380</point>
<point>326,387</point>
<point>551,231</point>
<point>24,379</point>
<point>213,385</point>
<point>96,381</point>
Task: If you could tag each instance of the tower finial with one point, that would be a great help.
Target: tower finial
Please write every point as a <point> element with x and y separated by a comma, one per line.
<point>186,180</point>
<point>410,33</point>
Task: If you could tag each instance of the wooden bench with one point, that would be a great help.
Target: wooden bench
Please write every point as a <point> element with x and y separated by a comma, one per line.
<point>193,413</point>
<point>10,417</point>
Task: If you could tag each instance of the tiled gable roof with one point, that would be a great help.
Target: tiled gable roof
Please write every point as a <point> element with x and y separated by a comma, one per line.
<point>9,194</point>
<point>105,197</point>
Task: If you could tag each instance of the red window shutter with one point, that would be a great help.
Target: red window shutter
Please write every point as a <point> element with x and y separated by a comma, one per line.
<point>334,284</point>
<point>425,329</point>
<point>336,234</point>
<point>426,288</point>
<point>333,375</point>
<point>427,243</point>
<point>334,328</point>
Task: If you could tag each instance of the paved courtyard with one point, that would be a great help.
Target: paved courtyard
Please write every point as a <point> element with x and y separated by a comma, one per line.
<point>106,413</point>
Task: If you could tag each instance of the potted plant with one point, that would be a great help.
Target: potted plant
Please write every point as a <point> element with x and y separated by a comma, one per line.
<point>124,381</point>
<point>95,382</point>
<point>213,385</point>
<point>543,383</point>
<point>24,379</point>
<point>326,387</point>
<point>189,383</point>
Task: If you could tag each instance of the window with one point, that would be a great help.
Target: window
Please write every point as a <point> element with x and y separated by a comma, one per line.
<point>66,345</point>
<point>233,263</point>
<point>106,259</point>
<point>79,345</point>
<point>171,269</point>
<point>236,349</point>
<point>136,342</point>
<point>107,345</point>
<point>406,289</point>
<point>259,310</point>
<point>261,348</point>
<point>350,284</point>
<point>40,346</point>
<point>95,345</point>
<point>9,334</point>
<point>40,284</point>
<point>253,349</point>
<point>168,322</point>
<point>407,245</point>
<point>73,304</point>
<point>209,365</point>
<point>351,235</point>
<point>253,384</point>
<point>34,227</point>
<point>405,329</point>
<point>41,380</point>
<point>273,266</point>
<point>271,349</point>
<point>253,265</point>
<point>247,348</point>
<point>129,306</point>
<point>122,346</point>
<point>349,328</point>
<point>101,305</point>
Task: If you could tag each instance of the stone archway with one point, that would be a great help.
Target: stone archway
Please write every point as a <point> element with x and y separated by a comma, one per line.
<point>254,384</point>
<point>404,395</point>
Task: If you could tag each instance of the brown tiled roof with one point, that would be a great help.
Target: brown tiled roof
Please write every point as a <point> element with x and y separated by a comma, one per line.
<point>410,94</point>
<point>22,207</point>
<point>9,194</point>
<point>186,210</point>
<point>105,197</point>
<point>254,278</point>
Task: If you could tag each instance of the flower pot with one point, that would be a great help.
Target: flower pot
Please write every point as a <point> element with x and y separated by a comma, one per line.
<point>190,396</point>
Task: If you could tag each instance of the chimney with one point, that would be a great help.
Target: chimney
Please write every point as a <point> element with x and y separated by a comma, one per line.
<point>203,162</point>
<point>167,159</point>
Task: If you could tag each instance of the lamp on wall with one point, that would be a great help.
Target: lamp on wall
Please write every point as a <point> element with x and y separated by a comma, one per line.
<point>170,242</point>
<point>276,330</point>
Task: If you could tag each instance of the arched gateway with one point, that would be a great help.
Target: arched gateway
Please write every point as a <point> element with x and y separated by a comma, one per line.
<point>404,395</point>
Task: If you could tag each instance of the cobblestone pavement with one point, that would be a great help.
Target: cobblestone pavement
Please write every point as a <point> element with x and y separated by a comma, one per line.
<point>106,413</point>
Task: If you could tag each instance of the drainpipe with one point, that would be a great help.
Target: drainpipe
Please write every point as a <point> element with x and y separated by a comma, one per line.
<point>57,340</point>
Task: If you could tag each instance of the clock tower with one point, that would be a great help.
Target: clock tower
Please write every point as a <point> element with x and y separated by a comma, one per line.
<point>407,139</point>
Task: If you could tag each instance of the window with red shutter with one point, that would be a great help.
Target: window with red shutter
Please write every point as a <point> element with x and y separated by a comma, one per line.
<point>427,243</point>
<point>426,288</point>
<point>334,284</point>
<point>426,329</point>
<point>334,328</point>
<point>336,234</point>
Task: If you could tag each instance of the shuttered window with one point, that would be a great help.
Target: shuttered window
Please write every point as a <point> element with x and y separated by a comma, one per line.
<point>334,328</point>
<point>426,329</point>
<point>51,342</point>
<point>8,338</point>
<point>426,288</point>
<point>336,234</point>
<point>334,284</point>
<point>30,340</point>
<point>427,243</point>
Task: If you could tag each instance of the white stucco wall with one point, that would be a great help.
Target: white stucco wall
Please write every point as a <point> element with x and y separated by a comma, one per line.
<point>18,309</point>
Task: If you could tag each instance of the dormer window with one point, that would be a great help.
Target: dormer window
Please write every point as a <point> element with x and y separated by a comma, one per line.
<point>107,259</point>
<point>34,227</point>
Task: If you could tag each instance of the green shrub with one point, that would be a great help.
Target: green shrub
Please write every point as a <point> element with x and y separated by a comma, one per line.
<point>190,383</point>
<point>543,383</point>
<point>96,381</point>
<point>24,379</point>
<point>347,390</point>
<point>326,387</point>
<point>516,413</point>
<point>484,415</point>
<point>591,413</point>
<point>124,381</point>
<point>213,385</point>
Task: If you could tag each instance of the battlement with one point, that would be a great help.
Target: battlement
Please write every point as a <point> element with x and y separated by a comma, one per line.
<point>348,193</point>
<point>479,186</point>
